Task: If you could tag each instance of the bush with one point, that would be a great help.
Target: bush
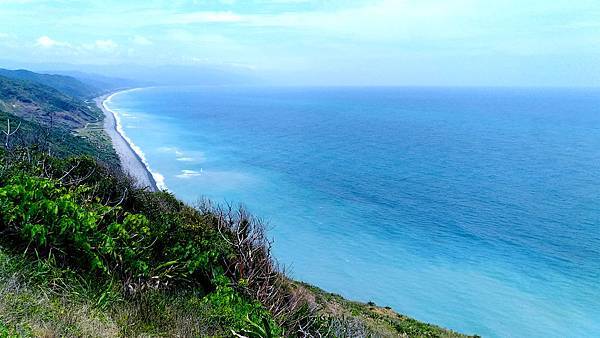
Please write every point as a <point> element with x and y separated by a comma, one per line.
<point>52,220</point>
<point>238,313</point>
<point>78,214</point>
<point>4,331</point>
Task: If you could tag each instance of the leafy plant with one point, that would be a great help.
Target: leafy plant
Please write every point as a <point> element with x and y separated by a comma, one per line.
<point>255,330</point>
<point>52,220</point>
<point>241,314</point>
<point>4,332</point>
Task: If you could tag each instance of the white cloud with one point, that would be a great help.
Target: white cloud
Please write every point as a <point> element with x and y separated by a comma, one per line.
<point>102,45</point>
<point>203,17</point>
<point>47,42</point>
<point>583,24</point>
<point>228,64</point>
<point>185,36</point>
<point>386,19</point>
<point>141,40</point>
<point>18,2</point>
<point>105,44</point>
<point>376,20</point>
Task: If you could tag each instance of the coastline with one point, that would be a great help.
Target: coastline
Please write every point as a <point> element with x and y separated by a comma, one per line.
<point>132,160</point>
<point>134,164</point>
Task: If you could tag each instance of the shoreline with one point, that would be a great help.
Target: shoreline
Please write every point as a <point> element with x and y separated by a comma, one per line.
<point>131,158</point>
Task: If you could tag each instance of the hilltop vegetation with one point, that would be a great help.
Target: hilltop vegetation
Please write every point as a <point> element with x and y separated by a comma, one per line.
<point>65,126</point>
<point>83,252</point>
<point>96,225</point>
<point>59,142</point>
<point>44,105</point>
<point>79,241</point>
<point>65,84</point>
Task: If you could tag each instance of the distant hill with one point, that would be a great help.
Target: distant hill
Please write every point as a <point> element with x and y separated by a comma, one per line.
<point>103,83</point>
<point>134,75</point>
<point>58,142</point>
<point>176,75</point>
<point>64,125</point>
<point>66,84</point>
<point>45,105</point>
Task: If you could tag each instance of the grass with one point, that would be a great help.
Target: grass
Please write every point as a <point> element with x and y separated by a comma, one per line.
<point>351,318</point>
<point>38,299</point>
<point>97,243</point>
<point>91,141</point>
<point>94,134</point>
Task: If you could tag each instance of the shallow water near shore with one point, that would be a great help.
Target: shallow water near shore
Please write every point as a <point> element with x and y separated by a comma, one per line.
<point>474,209</point>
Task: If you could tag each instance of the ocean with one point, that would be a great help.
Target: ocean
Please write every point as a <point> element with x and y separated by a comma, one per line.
<point>476,209</point>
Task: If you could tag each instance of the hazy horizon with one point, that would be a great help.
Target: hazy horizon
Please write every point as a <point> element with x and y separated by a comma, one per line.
<point>307,42</point>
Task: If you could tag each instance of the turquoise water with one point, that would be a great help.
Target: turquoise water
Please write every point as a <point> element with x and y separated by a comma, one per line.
<point>475,209</point>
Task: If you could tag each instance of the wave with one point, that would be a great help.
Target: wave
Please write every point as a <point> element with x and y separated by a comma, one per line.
<point>159,179</point>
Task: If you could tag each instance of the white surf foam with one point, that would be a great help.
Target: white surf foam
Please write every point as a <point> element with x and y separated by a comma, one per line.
<point>158,178</point>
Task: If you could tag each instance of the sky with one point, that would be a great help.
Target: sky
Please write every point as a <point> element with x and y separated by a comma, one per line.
<point>335,42</point>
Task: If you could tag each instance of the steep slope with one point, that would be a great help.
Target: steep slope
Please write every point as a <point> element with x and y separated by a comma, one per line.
<point>45,105</point>
<point>56,141</point>
<point>66,84</point>
<point>53,121</point>
<point>83,252</point>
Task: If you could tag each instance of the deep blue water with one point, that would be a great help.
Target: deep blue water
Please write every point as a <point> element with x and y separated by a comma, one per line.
<point>475,209</point>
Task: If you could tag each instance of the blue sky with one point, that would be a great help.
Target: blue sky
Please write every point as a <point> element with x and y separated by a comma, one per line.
<point>368,42</point>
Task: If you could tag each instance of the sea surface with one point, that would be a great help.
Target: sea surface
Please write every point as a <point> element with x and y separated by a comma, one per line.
<point>474,209</point>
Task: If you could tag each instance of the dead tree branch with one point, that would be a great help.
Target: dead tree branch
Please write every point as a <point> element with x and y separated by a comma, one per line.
<point>8,133</point>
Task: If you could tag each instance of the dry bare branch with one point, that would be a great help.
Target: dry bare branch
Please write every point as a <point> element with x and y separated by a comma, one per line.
<point>8,133</point>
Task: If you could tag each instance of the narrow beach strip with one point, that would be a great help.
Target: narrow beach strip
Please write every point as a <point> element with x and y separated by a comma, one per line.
<point>130,155</point>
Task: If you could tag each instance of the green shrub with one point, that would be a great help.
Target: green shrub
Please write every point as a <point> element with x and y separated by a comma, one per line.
<point>239,314</point>
<point>52,220</point>
<point>9,331</point>
<point>77,214</point>
<point>4,332</point>
<point>65,225</point>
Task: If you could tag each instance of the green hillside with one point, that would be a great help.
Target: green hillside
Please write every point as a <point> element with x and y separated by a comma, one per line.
<point>68,85</point>
<point>55,122</point>
<point>84,253</point>
<point>60,143</point>
<point>45,105</point>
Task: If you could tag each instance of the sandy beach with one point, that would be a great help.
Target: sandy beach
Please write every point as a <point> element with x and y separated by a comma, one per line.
<point>131,162</point>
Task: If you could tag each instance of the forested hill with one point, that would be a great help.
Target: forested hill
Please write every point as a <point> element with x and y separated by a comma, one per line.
<point>65,84</point>
<point>44,104</point>
<point>62,124</point>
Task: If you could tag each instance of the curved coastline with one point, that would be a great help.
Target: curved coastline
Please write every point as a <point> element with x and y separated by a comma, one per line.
<point>132,158</point>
